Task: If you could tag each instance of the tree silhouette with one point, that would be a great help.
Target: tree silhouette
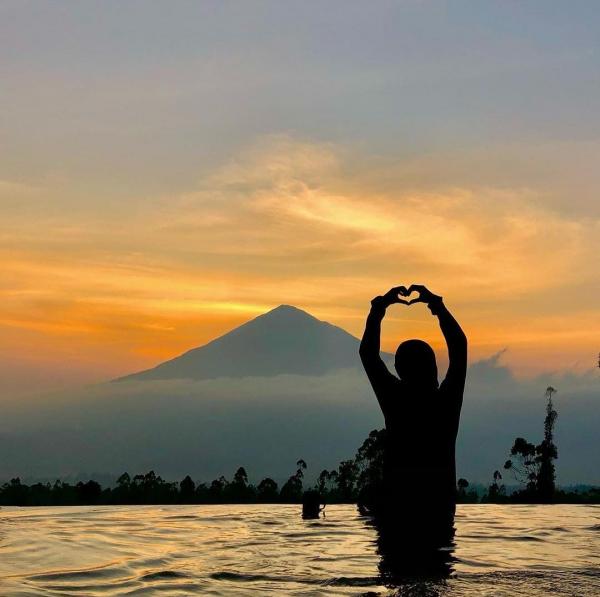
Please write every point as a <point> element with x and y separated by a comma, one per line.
<point>369,460</point>
<point>496,492</point>
<point>267,491</point>
<point>462,495</point>
<point>326,482</point>
<point>292,489</point>
<point>124,480</point>
<point>187,490</point>
<point>525,468</point>
<point>88,493</point>
<point>346,479</point>
<point>533,465</point>
<point>216,490</point>
<point>547,452</point>
<point>239,490</point>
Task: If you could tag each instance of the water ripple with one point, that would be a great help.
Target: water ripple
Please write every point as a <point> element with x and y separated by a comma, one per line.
<point>260,550</point>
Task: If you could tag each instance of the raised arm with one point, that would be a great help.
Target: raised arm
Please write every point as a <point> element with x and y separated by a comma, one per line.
<point>377,372</point>
<point>456,341</point>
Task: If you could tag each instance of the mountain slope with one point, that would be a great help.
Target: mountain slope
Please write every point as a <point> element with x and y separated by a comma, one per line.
<point>265,422</point>
<point>284,340</point>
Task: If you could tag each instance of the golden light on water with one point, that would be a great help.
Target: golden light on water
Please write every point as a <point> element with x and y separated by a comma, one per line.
<point>169,171</point>
<point>227,549</point>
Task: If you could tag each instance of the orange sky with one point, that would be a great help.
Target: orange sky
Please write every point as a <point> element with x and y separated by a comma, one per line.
<point>168,173</point>
<point>104,293</point>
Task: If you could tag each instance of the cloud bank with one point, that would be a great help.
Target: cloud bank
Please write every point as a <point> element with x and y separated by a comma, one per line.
<point>209,428</point>
<point>313,224</point>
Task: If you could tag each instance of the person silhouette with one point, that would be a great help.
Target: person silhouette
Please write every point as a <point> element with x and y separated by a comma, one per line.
<point>417,496</point>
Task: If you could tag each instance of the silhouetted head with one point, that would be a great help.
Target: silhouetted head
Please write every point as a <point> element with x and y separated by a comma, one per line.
<point>415,364</point>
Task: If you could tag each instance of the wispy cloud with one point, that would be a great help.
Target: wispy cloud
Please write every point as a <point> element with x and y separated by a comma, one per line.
<point>303,223</point>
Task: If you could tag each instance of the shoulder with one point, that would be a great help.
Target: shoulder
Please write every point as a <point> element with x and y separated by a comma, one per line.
<point>452,386</point>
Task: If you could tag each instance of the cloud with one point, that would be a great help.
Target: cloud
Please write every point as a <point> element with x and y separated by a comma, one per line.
<point>208,428</point>
<point>286,196</point>
<point>318,225</point>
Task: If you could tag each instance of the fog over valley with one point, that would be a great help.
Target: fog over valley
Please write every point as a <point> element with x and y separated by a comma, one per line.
<point>309,399</point>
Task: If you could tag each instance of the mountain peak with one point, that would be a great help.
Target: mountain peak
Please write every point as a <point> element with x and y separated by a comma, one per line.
<point>285,340</point>
<point>285,307</point>
<point>286,311</point>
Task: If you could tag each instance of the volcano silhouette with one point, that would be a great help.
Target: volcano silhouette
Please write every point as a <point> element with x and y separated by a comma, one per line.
<point>284,340</point>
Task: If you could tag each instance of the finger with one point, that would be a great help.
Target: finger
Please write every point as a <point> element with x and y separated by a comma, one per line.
<point>402,290</point>
<point>396,290</point>
<point>403,302</point>
<point>417,287</point>
<point>417,300</point>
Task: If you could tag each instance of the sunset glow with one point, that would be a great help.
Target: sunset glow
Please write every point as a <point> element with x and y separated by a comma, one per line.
<point>139,222</point>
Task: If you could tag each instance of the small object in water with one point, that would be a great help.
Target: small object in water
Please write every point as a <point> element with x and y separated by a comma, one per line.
<point>311,504</point>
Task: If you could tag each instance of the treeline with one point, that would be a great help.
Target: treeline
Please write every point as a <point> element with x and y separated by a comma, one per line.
<point>148,488</point>
<point>339,486</point>
<point>345,484</point>
<point>354,480</point>
<point>532,466</point>
<point>497,494</point>
<point>349,483</point>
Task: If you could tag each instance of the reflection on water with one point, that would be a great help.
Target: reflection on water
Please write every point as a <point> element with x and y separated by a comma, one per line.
<point>262,550</point>
<point>414,548</point>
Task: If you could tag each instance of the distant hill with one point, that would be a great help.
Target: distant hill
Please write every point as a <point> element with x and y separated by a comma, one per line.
<point>283,386</point>
<point>285,340</point>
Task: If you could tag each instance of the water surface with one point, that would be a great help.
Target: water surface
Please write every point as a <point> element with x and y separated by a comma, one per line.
<point>527,551</point>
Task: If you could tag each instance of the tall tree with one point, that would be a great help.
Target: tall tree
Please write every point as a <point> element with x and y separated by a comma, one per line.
<point>534,465</point>
<point>547,452</point>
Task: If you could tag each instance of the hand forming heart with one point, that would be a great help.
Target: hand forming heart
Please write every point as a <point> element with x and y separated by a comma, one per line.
<point>393,296</point>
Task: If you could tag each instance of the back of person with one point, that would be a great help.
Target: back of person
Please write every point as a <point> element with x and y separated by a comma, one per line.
<point>421,417</point>
<point>419,462</point>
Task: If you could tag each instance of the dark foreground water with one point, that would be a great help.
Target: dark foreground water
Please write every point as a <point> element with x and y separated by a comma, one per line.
<point>269,550</point>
